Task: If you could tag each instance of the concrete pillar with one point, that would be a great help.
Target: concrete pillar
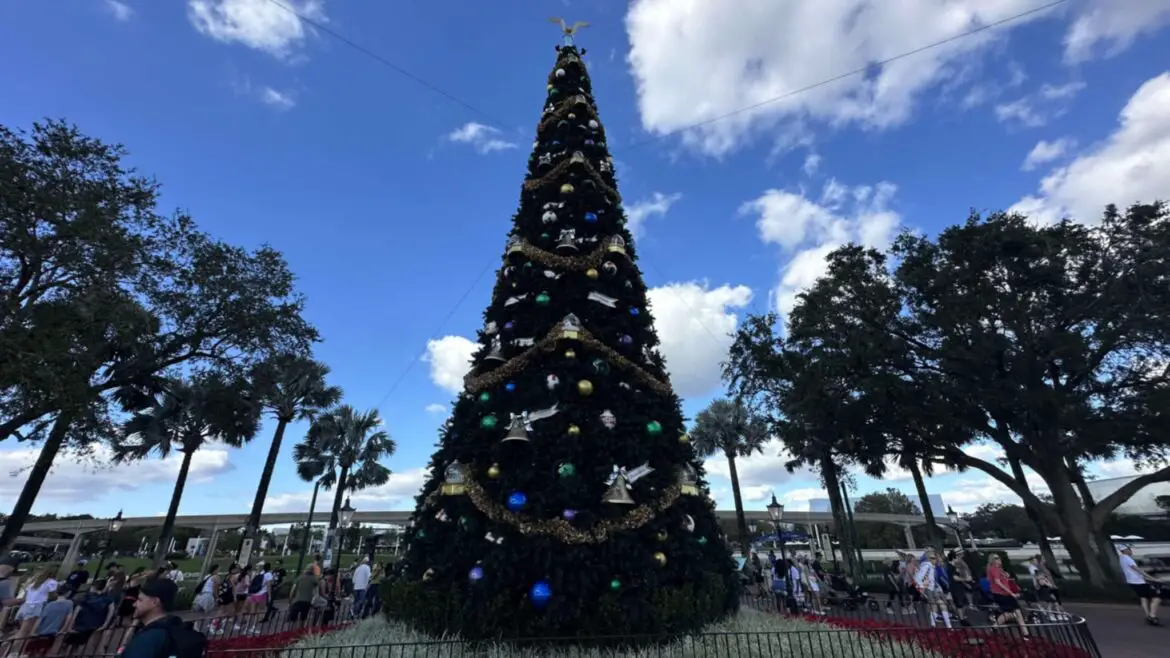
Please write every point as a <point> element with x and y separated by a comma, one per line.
<point>909,537</point>
<point>210,554</point>
<point>70,558</point>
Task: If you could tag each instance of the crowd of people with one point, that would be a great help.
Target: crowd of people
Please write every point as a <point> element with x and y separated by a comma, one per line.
<point>946,587</point>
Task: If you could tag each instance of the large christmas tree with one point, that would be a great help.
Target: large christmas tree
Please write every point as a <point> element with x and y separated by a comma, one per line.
<point>565,498</point>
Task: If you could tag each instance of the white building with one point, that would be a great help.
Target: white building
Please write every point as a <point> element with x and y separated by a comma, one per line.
<point>1143,503</point>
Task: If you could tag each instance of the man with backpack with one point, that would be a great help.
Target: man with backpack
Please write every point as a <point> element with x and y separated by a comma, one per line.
<point>162,635</point>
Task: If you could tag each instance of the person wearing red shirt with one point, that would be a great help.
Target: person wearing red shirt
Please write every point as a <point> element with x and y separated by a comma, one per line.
<point>1004,594</point>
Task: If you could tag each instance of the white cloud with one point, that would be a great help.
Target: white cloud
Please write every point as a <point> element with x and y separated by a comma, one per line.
<point>121,11</point>
<point>761,474</point>
<point>484,139</point>
<point>1111,26</point>
<point>706,61</point>
<point>1038,108</point>
<point>812,163</point>
<point>450,359</point>
<point>281,100</point>
<point>637,213</point>
<point>842,214</point>
<point>74,480</point>
<point>1045,152</point>
<point>1132,165</point>
<point>435,408</point>
<point>397,494</point>
<point>694,324</point>
<point>259,24</point>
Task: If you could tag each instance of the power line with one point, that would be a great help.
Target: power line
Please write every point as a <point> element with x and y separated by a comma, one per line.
<point>385,62</point>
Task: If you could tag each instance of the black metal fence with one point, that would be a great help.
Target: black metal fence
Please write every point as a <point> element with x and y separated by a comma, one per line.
<point>853,631</point>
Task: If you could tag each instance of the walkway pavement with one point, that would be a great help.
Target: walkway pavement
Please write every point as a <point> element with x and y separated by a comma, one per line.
<point>1121,632</point>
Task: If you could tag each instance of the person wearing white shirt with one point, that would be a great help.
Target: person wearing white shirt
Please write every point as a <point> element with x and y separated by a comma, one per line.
<point>361,583</point>
<point>35,597</point>
<point>926,580</point>
<point>1144,585</point>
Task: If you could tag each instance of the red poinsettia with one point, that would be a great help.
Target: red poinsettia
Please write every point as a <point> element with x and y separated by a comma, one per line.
<point>959,642</point>
<point>262,646</point>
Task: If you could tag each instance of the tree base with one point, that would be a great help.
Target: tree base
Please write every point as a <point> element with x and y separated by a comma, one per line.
<point>612,619</point>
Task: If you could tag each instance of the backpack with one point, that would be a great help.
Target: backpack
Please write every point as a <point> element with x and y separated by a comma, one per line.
<point>225,589</point>
<point>257,584</point>
<point>183,641</point>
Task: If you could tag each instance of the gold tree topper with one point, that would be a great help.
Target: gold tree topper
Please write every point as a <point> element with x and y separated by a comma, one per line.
<point>568,30</point>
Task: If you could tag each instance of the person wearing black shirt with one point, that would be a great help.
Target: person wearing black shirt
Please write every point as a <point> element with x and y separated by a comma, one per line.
<point>156,597</point>
<point>92,611</point>
<point>77,577</point>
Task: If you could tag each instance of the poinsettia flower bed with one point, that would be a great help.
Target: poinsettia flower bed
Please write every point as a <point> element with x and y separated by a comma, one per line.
<point>960,642</point>
<point>264,646</point>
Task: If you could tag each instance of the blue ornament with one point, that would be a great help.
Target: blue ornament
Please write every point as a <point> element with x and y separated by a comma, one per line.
<point>476,574</point>
<point>556,142</point>
<point>590,217</point>
<point>517,501</point>
<point>540,594</point>
<point>634,311</point>
<point>510,387</point>
<point>589,142</point>
<point>508,326</point>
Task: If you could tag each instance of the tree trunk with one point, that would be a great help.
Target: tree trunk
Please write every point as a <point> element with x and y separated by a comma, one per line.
<point>1034,517</point>
<point>745,542</point>
<point>307,535</point>
<point>36,477</point>
<point>168,527</point>
<point>252,528</point>
<point>1078,535</point>
<point>844,534</point>
<point>924,502</point>
<point>335,515</point>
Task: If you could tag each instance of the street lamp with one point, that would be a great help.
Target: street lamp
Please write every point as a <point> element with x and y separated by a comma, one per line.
<point>776,513</point>
<point>346,513</point>
<point>953,520</point>
<point>114,526</point>
<point>952,517</point>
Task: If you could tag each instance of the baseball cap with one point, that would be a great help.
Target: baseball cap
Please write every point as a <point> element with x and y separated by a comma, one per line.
<point>162,589</point>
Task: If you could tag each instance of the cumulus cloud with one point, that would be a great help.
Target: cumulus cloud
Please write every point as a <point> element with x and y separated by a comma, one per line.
<point>450,359</point>
<point>121,11</point>
<point>637,213</point>
<point>74,480</point>
<point>397,494</point>
<point>484,139</point>
<point>1038,108</point>
<point>694,324</point>
<point>258,24</point>
<point>1045,152</point>
<point>706,64</point>
<point>1109,26</point>
<point>761,474</point>
<point>1131,165</point>
<point>435,408</point>
<point>807,230</point>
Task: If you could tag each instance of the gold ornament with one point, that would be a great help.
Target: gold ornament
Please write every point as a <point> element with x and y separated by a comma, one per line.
<point>661,536</point>
<point>493,471</point>
<point>567,188</point>
<point>660,558</point>
<point>570,354</point>
<point>585,387</point>
<point>591,273</point>
<point>683,438</point>
<point>574,430</point>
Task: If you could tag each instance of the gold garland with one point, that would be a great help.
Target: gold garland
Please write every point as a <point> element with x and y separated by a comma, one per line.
<point>562,168</point>
<point>571,263</point>
<point>562,529</point>
<point>559,110</point>
<point>477,383</point>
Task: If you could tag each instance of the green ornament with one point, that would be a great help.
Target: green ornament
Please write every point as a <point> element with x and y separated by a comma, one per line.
<point>488,422</point>
<point>421,534</point>
<point>600,366</point>
<point>545,236</point>
<point>553,91</point>
<point>485,397</point>
<point>653,428</point>
<point>528,265</point>
<point>702,541</point>
<point>464,522</point>
<point>615,584</point>
<point>566,470</point>
<point>543,299</point>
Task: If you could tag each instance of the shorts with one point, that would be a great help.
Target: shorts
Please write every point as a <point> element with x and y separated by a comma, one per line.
<point>29,611</point>
<point>240,598</point>
<point>934,596</point>
<point>1147,591</point>
<point>1006,603</point>
<point>258,597</point>
<point>960,595</point>
<point>204,602</point>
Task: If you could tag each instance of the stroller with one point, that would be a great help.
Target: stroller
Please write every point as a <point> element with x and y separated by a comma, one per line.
<point>843,592</point>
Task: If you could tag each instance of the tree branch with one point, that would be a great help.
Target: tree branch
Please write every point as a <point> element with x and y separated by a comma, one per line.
<point>1030,499</point>
<point>1126,491</point>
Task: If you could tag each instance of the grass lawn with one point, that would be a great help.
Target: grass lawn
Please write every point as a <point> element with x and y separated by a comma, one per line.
<point>750,634</point>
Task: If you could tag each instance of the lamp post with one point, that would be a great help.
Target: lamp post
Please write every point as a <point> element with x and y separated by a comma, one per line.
<point>345,517</point>
<point>751,537</point>
<point>953,521</point>
<point>114,526</point>
<point>776,513</point>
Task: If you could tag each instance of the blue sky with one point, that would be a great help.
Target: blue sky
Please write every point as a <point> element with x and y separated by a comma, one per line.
<point>391,199</point>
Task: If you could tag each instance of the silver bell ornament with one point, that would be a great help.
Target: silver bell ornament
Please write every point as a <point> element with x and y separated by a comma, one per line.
<point>496,353</point>
<point>567,240</point>
<point>518,430</point>
<point>549,217</point>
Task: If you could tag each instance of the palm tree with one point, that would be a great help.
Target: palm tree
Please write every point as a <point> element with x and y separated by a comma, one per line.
<point>183,417</point>
<point>732,428</point>
<point>341,451</point>
<point>290,387</point>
